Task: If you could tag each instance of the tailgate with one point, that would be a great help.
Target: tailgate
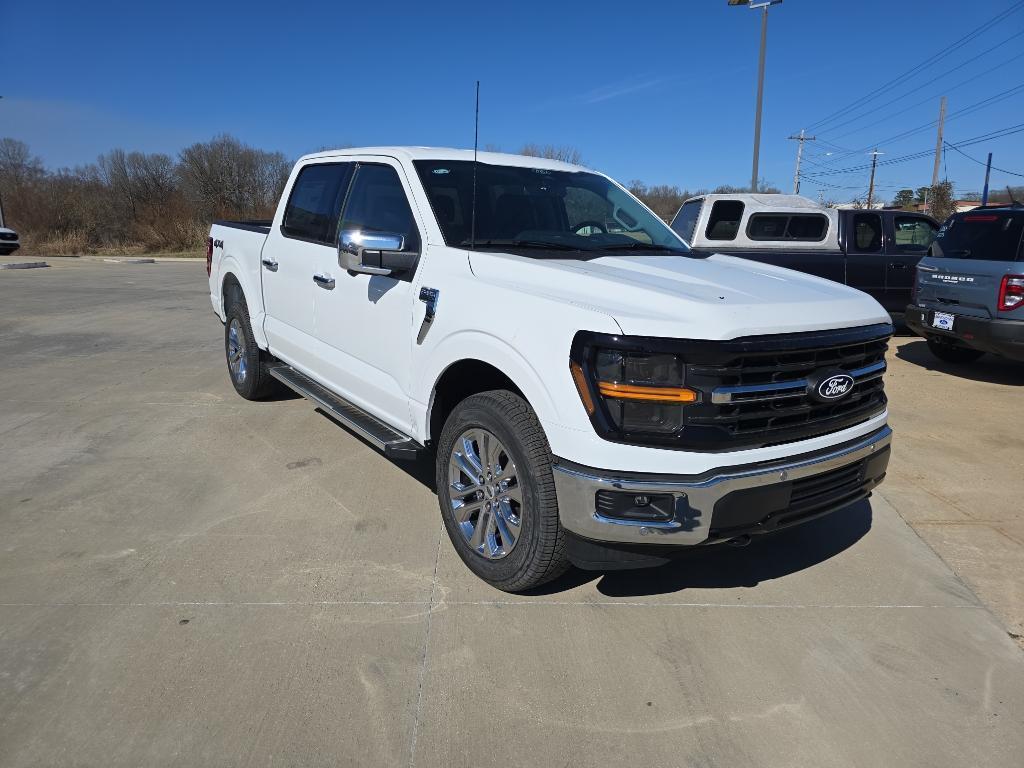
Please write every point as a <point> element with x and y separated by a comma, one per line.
<point>960,286</point>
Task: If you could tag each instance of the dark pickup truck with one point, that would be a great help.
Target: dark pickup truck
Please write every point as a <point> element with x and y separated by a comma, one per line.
<point>873,250</point>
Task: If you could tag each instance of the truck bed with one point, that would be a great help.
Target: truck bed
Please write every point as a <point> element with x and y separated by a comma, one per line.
<point>250,225</point>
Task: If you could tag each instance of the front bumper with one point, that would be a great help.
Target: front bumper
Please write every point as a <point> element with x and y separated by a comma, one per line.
<point>1000,337</point>
<point>727,503</point>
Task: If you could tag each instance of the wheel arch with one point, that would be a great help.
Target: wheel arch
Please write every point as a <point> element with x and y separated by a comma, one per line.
<point>471,375</point>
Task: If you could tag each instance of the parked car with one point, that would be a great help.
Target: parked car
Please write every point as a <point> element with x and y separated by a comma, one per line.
<point>970,287</point>
<point>873,250</point>
<point>604,398</point>
<point>9,242</point>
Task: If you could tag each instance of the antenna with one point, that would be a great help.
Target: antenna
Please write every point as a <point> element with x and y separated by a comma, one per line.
<point>476,141</point>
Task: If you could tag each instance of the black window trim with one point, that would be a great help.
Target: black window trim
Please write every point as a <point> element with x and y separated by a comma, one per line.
<point>344,199</point>
<point>789,215</point>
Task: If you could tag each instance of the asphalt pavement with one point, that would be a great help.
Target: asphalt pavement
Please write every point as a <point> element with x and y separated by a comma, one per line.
<point>190,579</point>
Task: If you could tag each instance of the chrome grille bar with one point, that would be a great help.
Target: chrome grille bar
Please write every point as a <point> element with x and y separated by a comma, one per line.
<point>759,393</point>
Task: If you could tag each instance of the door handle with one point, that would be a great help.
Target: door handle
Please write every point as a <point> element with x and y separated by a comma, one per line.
<point>324,281</point>
<point>897,265</point>
<point>270,264</point>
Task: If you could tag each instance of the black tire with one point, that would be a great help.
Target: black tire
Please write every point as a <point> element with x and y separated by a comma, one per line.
<point>538,554</point>
<point>255,381</point>
<point>951,353</point>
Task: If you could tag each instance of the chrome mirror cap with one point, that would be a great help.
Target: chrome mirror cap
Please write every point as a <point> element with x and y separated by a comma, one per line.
<point>353,245</point>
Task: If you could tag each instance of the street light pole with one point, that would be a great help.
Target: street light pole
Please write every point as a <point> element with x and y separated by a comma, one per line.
<point>764,5</point>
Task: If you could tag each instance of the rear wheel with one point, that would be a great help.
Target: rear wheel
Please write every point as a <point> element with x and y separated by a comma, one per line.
<point>951,353</point>
<point>497,492</point>
<point>247,363</point>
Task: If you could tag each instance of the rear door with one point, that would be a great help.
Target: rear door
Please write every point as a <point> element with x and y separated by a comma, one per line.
<point>971,254</point>
<point>865,256</point>
<point>908,236</point>
<point>290,258</point>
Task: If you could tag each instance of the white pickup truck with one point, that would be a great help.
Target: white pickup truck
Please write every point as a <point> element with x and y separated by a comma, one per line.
<point>592,392</point>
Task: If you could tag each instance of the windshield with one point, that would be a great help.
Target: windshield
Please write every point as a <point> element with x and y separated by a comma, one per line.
<point>987,235</point>
<point>541,209</point>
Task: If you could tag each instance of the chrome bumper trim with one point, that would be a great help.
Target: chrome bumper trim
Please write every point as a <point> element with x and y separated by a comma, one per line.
<point>695,498</point>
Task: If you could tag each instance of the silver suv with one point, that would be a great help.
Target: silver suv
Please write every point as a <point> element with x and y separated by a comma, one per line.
<point>969,291</point>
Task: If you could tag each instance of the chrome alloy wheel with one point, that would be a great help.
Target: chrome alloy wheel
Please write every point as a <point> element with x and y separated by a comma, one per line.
<point>485,494</point>
<point>236,351</point>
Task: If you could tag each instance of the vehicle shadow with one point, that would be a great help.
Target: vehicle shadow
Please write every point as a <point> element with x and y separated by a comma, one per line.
<point>724,567</point>
<point>990,368</point>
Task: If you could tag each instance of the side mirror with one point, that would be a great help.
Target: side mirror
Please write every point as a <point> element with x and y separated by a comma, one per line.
<point>373,253</point>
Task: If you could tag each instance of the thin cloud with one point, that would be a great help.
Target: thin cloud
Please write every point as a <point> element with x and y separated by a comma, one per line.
<point>623,88</point>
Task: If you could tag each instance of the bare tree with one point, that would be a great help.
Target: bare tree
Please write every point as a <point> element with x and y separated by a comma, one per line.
<point>551,152</point>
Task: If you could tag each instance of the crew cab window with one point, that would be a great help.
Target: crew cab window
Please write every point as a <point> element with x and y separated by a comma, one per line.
<point>377,203</point>
<point>724,222</point>
<point>912,234</point>
<point>312,210</point>
<point>685,221</point>
<point>867,233</point>
<point>810,227</point>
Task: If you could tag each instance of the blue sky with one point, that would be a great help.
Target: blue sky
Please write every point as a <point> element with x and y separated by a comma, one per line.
<point>662,92</point>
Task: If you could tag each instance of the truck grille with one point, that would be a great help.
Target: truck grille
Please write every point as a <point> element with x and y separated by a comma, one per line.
<point>8,236</point>
<point>757,391</point>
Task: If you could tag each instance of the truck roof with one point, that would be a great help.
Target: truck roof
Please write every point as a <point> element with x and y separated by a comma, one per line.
<point>446,153</point>
<point>763,200</point>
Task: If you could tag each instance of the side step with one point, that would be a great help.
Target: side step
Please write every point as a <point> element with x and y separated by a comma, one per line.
<point>394,444</point>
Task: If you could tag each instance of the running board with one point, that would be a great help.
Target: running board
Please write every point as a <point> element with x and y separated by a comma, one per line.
<point>374,431</point>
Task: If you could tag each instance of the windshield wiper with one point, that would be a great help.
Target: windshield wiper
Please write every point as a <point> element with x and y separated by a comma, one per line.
<point>513,243</point>
<point>638,246</point>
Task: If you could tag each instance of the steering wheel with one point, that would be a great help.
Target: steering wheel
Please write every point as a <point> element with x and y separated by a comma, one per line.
<point>593,225</point>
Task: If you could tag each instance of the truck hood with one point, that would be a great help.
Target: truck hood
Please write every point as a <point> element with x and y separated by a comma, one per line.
<point>718,297</point>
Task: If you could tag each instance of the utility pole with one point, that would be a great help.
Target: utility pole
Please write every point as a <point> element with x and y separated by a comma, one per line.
<point>799,152</point>
<point>763,6</point>
<point>871,185</point>
<point>938,142</point>
<point>988,170</point>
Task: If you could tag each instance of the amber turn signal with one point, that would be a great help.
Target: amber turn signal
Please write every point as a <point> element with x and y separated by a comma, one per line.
<point>581,387</point>
<point>646,394</point>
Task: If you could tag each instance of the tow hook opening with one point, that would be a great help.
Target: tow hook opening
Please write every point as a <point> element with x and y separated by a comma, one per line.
<point>739,541</point>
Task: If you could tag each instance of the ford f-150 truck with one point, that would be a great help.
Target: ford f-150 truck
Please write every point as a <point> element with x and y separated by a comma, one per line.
<point>592,392</point>
<point>873,250</point>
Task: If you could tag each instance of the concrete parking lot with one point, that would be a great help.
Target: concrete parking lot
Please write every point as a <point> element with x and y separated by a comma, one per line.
<point>187,578</point>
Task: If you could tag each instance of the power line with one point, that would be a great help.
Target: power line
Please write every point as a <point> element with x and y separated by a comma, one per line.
<point>963,112</point>
<point>946,51</point>
<point>901,97</point>
<point>992,135</point>
<point>979,162</point>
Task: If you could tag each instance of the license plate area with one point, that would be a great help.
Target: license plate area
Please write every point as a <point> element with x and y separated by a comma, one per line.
<point>943,321</point>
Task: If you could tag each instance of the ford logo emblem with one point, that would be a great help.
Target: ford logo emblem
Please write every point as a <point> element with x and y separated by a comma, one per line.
<point>834,387</point>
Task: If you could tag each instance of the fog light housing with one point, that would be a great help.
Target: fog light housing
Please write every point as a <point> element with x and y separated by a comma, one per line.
<point>623,505</point>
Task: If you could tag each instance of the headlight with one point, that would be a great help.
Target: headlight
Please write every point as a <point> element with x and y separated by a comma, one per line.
<point>629,391</point>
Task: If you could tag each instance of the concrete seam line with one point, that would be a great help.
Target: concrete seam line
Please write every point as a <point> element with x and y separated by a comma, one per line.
<point>426,653</point>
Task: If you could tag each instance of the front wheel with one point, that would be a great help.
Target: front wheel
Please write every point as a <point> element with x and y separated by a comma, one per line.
<point>497,492</point>
<point>951,353</point>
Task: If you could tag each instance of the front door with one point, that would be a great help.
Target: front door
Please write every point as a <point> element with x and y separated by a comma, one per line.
<point>364,322</point>
<point>906,244</point>
<point>865,256</point>
<point>291,256</point>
